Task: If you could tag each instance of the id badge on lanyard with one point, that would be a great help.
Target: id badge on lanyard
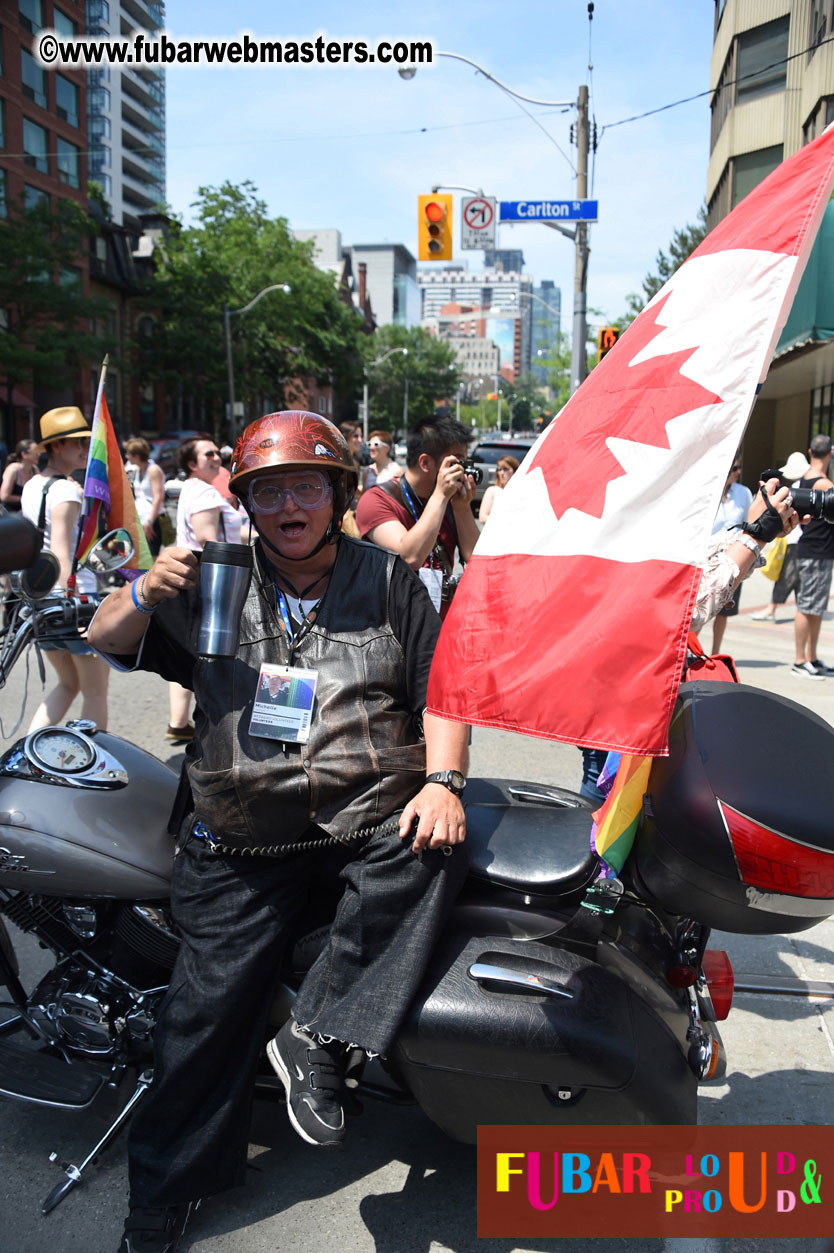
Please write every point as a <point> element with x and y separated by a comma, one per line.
<point>433,580</point>
<point>283,708</point>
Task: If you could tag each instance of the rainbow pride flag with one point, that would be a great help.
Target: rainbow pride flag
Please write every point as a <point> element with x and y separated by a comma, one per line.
<point>108,497</point>
<point>616,821</point>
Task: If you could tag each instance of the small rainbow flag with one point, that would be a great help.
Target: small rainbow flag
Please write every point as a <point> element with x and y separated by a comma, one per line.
<point>616,821</point>
<point>108,497</point>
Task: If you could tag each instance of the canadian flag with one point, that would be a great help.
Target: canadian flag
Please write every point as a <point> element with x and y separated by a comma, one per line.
<point>571,619</point>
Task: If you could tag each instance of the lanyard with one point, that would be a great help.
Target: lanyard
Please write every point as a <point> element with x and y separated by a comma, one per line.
<point>286,616</point>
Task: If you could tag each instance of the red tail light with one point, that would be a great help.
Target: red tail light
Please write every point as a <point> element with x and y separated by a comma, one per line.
<point>719,976</point>
<point>774,863</point>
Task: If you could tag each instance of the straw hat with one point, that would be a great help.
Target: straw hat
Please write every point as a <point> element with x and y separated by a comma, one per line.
<point>66,423</point>
<point>796,466</point>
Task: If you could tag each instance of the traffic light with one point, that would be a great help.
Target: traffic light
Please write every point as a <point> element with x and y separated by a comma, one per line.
<point>606,339</point>
<point>434,228</point>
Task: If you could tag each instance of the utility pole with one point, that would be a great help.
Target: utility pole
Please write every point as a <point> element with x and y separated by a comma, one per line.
<point>578,356</point>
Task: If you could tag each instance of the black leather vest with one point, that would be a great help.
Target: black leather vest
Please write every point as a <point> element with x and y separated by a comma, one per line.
<point>364,758</point>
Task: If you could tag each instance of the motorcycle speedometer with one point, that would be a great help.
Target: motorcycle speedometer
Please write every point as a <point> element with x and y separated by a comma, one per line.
<point>60,751</point>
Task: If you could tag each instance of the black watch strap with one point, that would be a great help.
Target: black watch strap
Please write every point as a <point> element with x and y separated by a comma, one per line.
<point>452,779</point>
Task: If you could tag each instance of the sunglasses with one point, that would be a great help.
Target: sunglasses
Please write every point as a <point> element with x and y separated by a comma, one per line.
<point>378,443</point>
<point>313,490</point>
<point>212,453</point>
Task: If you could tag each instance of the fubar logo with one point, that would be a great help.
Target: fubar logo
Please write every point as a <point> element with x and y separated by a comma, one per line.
<point>648,1181</point>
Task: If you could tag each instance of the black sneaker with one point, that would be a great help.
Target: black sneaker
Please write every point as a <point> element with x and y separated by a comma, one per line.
<point>155,1230</point>
<point>312,1077</point>
<point>805,670</point>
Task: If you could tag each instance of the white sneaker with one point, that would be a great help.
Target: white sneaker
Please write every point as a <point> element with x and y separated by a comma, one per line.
<point>805,670</point>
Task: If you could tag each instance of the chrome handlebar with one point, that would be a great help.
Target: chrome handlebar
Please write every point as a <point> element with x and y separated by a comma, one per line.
<point>56,617</point>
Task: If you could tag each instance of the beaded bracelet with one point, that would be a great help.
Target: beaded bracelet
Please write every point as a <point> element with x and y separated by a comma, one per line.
<point>135,598</point>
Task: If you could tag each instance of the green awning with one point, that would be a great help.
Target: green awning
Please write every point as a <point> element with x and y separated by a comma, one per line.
<point>811,319</point>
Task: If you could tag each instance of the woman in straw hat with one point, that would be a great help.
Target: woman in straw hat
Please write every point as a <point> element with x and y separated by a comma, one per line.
<point>52,495</point>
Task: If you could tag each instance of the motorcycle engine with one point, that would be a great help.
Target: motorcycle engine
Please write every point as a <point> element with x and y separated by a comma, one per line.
<point>91,1014</point>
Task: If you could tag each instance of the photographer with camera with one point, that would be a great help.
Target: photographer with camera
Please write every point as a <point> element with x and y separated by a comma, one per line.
<point>426,515</point>
<point>814,562</point>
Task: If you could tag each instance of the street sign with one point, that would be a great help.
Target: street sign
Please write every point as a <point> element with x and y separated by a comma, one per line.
<point>477,222</point>
<point>548,211</point>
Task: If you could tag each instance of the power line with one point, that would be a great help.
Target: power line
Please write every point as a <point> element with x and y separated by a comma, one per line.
<point>712,90</point>
<point>333,138</point>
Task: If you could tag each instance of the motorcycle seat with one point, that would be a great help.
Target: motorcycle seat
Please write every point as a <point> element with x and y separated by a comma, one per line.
<point>529,838</point>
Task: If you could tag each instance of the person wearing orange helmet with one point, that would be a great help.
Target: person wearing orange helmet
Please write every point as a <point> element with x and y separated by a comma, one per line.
<point>335,784</point>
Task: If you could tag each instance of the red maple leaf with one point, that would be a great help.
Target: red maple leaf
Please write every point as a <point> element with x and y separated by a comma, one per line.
<point>632,402</point>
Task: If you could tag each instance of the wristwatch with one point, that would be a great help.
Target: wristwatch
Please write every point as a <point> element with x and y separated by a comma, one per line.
<point>741,537</point>
<point>452,779</point>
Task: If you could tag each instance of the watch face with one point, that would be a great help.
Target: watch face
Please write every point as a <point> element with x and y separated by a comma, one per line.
<point>457,779</point>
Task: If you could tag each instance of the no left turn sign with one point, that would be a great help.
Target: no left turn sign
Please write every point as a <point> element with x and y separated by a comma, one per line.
<point>477,222</point>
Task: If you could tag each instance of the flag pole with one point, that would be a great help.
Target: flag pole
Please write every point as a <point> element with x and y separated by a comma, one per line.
<point>102,376</point>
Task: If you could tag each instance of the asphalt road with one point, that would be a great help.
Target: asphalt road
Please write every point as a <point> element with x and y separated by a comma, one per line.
<point>400,1186</point>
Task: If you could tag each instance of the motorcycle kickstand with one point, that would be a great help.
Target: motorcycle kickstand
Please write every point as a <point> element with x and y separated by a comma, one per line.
<point>74,1173</point>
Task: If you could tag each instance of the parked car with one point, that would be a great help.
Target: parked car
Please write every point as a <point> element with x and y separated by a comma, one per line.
<point>165,450</point>
<point>486,456</point>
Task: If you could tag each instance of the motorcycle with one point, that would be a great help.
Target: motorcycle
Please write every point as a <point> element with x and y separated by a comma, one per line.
<point>555,994</point>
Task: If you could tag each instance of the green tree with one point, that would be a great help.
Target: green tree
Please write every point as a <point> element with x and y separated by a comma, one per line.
<point>684,242</point>
<point>429,367</point>
<point>44,336</point>
<point>231,253</point>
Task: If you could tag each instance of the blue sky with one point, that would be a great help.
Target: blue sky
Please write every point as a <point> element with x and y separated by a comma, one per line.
<point>345,147</point>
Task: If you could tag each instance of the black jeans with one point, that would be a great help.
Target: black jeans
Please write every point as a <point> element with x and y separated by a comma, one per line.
<point>235,915</point>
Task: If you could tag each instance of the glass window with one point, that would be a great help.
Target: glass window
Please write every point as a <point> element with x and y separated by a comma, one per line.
<point>33,196</point>
<point>822,411</point>
<point>70,276</point>
<point>99,159</point>
<point>31,14</point>
<point>97,11</point>
<point>750,168</point>
<point>63,25</point>
<point>3,209</point>
<point>2,123</point>
<point>99,128</point>
<point>68,162</point>
<point>66,100</point>
<point>35,146</point>
<point>33,77</point>
<point>98,99</point>
<point>761,53</point>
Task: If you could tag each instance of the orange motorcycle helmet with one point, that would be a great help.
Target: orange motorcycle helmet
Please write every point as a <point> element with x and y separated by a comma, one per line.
<point>292,440</point>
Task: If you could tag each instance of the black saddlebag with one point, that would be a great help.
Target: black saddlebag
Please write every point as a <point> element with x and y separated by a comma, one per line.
<point>526,1033</point>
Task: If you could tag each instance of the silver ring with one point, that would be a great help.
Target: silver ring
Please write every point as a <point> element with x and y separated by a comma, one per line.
<point>789,500</point>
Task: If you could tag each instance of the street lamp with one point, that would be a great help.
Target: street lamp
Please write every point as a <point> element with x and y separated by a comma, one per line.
<point>391,352</point>
<point>580,234</point>
<point>228,314</point>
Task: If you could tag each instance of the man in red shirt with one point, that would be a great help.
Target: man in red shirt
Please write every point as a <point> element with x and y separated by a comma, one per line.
<point>425,516</point>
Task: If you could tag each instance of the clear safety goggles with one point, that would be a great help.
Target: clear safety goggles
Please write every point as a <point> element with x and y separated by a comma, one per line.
<point>310,489</point>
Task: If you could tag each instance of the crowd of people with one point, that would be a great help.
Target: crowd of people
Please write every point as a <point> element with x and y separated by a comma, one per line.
<point>364,805</point>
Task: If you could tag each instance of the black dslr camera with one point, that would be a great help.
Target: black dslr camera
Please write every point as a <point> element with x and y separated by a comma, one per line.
<point>820,505</point>
<point>469,467</point>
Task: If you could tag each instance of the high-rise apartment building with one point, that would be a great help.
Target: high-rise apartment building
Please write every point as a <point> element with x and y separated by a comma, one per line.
<point>546,324</point>
<point>126,115</point>
<point>42,161</point>
<point>772,78</point>
<point>498,299</point>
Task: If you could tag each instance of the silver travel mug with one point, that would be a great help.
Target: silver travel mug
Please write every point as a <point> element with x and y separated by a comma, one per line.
<point>225,574</point>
